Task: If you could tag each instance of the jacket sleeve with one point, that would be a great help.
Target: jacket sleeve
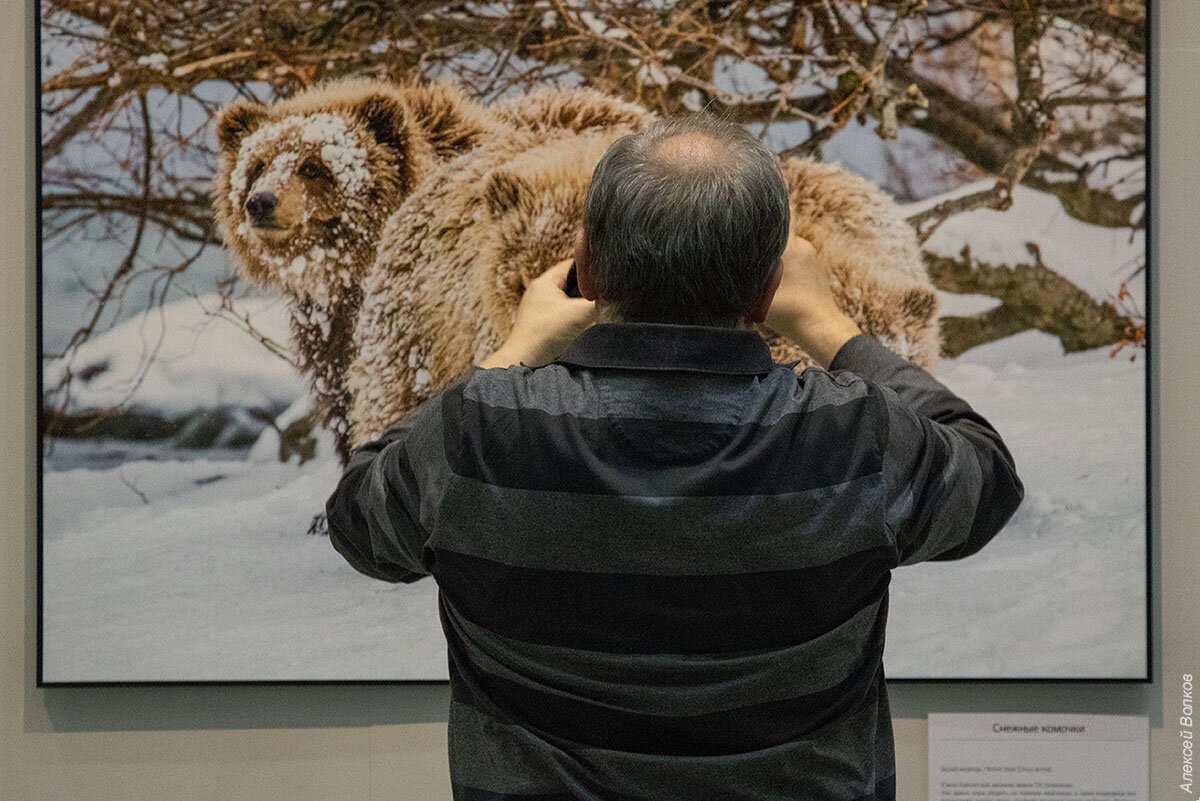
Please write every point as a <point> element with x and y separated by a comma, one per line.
<point>951,482</point>
<point>374,514</point>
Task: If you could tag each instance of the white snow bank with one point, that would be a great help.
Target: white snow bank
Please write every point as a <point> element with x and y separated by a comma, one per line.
<point>964,305</point>
<point>196,360</point>
<point>213,577</point>
<point>1060,592</point>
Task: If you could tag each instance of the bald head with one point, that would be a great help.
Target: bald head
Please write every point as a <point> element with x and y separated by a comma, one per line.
<point>684,222</point>
<point>691,150</point>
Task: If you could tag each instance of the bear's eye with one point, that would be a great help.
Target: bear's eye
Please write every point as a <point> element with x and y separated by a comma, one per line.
<point>313,169</point>
<point>255,171</point>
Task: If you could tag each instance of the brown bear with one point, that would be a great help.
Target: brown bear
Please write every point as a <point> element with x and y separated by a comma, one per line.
<point>874,261</point>
<point>455,259</point>
<point>453,263</point>
<point>304,187</point>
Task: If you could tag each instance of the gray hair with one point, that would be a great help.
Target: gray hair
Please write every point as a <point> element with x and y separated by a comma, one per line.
<point>685,238</point>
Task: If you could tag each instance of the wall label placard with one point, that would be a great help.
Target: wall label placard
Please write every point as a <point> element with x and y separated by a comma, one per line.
<point>1038,757</point>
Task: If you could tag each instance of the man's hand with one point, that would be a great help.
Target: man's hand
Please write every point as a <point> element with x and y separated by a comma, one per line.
<point>804,309</point>
<point>547,321</point>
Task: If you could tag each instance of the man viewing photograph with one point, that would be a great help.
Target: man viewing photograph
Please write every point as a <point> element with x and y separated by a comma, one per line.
<point>663,558</point>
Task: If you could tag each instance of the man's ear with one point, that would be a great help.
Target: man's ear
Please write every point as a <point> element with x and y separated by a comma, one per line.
<point>585,276</point>
<point>385,118</point>
<point>235,122</point>
<point>762,304</point>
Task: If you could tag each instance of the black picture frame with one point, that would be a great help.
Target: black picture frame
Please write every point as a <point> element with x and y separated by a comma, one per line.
<point>1150,450</point>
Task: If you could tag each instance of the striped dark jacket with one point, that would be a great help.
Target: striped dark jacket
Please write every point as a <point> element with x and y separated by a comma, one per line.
<point>663,560</point>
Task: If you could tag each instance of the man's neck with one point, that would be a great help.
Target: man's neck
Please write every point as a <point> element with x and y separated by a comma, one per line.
<point>605,314</point>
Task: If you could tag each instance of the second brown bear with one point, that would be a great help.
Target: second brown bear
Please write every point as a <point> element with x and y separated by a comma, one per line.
<point>455,258</point>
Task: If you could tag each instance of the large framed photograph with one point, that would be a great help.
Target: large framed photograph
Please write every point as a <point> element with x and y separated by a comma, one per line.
<point>269,229</point>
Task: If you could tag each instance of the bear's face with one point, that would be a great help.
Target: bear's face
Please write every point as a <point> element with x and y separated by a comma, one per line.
<point>302,197</point>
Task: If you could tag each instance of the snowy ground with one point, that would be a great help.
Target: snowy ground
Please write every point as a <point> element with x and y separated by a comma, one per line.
<point>213,577</point>
<point>184,357</point>
<point>160,568</point>
<point>1060,592</point>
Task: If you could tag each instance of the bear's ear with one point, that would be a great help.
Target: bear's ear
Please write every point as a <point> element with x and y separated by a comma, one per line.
<point>504,192</point>
<point>236,121</point>
<point>446,118</point>
<point>919,303</point>
<point>384,117</point>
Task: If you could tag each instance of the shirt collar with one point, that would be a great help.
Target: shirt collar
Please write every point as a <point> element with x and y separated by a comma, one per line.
<point>668,346</point>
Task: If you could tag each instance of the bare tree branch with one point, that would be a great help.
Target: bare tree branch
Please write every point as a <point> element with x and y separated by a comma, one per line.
<point>1033,296</point>
<point>100,104</point>
<point>945,67</point>
<point>926,222</point>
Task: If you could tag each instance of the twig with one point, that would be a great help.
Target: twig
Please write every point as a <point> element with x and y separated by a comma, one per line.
<point>98,105</point>
<point>212,61</point>
<point>999,196</point>
<point>81,335</point>
<point>130,484</point>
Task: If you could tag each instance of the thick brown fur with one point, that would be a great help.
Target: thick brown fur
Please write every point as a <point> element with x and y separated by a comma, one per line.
<point>878,277</point>
<point>454,261</point>
<point>459,207</point>
<point>547,109</point>
<point>338,159</point>
<point>453,265</point>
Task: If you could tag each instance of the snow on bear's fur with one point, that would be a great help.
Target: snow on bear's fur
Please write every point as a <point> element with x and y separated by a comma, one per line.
<point>453,264</point>
<point>454,261</point>
<point>405,221</point>
<point>303,189</point>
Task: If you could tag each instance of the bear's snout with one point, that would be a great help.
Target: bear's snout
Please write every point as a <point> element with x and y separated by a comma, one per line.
<point>261,208</point>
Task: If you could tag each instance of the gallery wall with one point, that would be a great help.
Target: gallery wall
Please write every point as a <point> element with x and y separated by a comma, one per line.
<point>303,742</point>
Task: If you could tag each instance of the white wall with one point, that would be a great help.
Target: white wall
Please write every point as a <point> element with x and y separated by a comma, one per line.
<point>355,743</point>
